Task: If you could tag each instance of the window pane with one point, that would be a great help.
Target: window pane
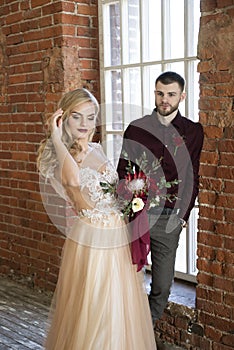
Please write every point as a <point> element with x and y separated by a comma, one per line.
<point>192,240</point>
<point>174,29</point>
<point>179,68</point>
<point>112,147</point>
<point>181,258</point>
<point>111,29</point>
<point>193,90</point>
<point>113,105</point>
<point>150,73</point>
<point>151,30</point>
<point>131,31</point>
<point>193,20</point>
<point>132,86</point>
<point>132,94</point>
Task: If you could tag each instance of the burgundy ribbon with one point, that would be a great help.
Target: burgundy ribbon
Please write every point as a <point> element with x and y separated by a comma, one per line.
<point>140,245</point>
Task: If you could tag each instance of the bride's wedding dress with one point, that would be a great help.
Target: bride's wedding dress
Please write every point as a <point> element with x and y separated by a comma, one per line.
<point>100,302</point>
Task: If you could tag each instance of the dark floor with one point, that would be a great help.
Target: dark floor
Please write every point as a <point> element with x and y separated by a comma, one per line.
<point>23,314</point>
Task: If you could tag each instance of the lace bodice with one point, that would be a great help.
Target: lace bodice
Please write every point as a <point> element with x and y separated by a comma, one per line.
<point>97,220</point>
<point>97,206</point>
<point>103,204</point>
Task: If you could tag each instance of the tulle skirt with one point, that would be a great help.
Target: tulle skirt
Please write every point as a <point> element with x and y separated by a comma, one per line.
<point>100,302</point>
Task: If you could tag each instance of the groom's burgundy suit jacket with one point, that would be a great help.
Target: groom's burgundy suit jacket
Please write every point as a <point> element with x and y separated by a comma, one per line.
<point>178,146</point>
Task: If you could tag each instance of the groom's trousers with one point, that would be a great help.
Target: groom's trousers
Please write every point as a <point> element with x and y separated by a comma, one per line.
<point>165,229</point>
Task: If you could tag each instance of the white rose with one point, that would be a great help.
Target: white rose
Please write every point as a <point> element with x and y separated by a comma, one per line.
<point>137,204</point>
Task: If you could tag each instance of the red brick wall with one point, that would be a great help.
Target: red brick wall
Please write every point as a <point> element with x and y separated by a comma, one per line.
<point>46,48</point>
<point>215,291</point>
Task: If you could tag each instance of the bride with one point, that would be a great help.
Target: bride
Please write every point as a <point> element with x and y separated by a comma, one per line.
<point>99,302</point>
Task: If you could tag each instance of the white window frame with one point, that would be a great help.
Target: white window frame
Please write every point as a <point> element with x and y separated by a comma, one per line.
<point>189,107</point>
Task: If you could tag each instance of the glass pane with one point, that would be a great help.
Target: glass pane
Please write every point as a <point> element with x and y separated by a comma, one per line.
<point>192,240</point>
<point>150,73</point>
<point>131,31</point>
<point>111,30</point>
<point>174,29</point>
<point>151,30</point>
<point>132,94</point>
<point>181,259</point>
<point>179,68</point>
<point>196,92</point>
<point>193,90</point>
<point>113,98</point>
<point>193,22</point>
<point>112,147</point>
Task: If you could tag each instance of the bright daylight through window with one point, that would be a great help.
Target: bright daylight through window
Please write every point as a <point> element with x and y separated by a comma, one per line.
<point>139,39</point>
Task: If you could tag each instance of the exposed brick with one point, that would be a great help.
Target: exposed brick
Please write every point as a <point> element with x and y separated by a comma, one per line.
<point>229,299</point>
<point>205,279</point>
<point>208,197</point>
<point>229,215</point>
<point>217,346</point>
<point>225,172</point>
<point>208,5</point>
<point>222,4</point>
<point>87,10</point>
<point>226,145</point>
<point>206,252</point>
<point>213,132</point>
<point>227,159</point>
<point>210,144</point>
<point>212,184</point>
<point>209,294</point>
<point>224,89</point>
<point>213,333</point>
<point>208,266</point>
<point>68,6</point>
<point>223,284</point>
<point>51,47</point>
<point>224,229</point>
<point>210,239</point>
<point>226,201</point>
<point>32,96</point>
<point>39,3</point>
<point>207,170</point>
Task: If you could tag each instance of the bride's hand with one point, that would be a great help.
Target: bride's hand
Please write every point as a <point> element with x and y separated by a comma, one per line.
<point>56,123</point>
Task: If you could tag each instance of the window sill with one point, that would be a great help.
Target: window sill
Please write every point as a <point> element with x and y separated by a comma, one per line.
<point>182,292</point>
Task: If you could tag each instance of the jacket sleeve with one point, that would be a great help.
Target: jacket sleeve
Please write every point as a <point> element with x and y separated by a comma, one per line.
<point>129,147</point>
<point>192,177</point>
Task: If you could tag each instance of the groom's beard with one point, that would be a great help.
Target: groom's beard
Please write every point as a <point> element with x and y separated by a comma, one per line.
<point>165,109</point>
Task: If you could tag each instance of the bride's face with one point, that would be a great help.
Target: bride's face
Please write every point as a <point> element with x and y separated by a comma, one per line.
<point>82,120</point>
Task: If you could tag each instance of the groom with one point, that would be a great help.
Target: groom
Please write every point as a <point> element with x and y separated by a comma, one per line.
<point>177,142</point>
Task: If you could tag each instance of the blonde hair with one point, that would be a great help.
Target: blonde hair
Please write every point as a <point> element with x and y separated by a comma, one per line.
<point>47,160</point>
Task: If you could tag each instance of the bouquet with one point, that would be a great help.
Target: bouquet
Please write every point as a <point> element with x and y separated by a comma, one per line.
<point>140,189</point>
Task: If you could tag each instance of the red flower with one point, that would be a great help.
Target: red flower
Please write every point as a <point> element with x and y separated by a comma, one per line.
<point>141,175</point>
<point>178,142</point>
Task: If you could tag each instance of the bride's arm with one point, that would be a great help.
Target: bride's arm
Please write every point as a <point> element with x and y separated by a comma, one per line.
<point>68,170</point>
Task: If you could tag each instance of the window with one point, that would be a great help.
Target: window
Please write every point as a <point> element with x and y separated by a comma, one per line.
<point>139,39</point>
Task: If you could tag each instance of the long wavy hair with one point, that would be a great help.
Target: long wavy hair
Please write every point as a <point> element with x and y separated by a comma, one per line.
<point>47,160</point>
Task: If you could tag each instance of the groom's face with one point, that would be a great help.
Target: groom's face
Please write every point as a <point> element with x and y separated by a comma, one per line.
<point>168,98</point>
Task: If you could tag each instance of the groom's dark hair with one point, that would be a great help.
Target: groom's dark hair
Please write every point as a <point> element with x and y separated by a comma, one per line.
<point>171,77</point>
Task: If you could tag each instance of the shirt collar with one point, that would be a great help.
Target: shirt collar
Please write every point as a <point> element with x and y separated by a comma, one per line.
<point>177,121</point>
<point>166,121</point>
